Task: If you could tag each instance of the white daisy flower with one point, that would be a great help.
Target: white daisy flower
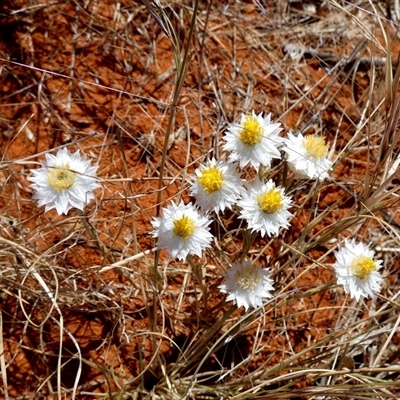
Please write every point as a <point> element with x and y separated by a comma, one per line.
<point>217,186</point>
<point>254,140</point>
<point>357,270</point>
<point>182,230</point>
<point>247,285</point>
<point>307,156</point>
<point>265,207</point>
<point>64,181</point>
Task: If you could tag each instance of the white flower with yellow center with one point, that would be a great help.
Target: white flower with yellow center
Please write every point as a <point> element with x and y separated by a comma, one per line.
<point>255,140</point>
<point>182,230</point>
<point>247,285</point>
<point>217,186</point>
<point>307,156</point>
<point>357,270</point>
<point>64,181</point>
<point>265,207</point>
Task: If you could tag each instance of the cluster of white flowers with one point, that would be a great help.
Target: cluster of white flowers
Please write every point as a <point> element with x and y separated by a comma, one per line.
<point>68,180</point>
<point>256,141</point>
<point>217,186</point>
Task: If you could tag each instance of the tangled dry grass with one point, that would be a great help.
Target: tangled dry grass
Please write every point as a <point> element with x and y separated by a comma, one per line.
<point>89,309</point>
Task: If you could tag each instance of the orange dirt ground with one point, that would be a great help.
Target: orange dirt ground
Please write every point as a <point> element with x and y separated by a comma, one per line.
<point>99,76</point>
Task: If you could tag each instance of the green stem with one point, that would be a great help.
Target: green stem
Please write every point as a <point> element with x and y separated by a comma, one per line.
<point>94,235</point>
<point>181,72</point>
<point>198,272</point>
<point>248,241</point>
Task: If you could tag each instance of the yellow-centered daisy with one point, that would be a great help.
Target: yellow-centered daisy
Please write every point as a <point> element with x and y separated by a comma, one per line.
<point>357,270</point>
<point>182,230</point>
<point>64,181</point>
<point>307,156</point>
<point>265,207</point>
<point>255,140</point>
<point>216,186</point>
<point>247,285</point>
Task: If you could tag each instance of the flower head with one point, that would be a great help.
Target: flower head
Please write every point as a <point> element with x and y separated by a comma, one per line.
<point>357,270</point>
<point>307,156</point>
<point>265,207</point>
<point>182,230</point>
<point>247,285</point>
<point>64,181</point>
<point>217,186</point>
<point>254,140</point>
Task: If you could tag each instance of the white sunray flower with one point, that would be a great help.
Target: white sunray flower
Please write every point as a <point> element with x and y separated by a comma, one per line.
<point>255,140</point>
<point>217,186</point>
<point>247,285</point>
<point>357,270</point>
<point>307,156</point>
<point>64,181</point>
<point>182,230</point>
<point>265,207</point>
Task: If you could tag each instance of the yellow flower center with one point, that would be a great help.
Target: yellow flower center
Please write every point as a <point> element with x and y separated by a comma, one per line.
<point>271,201</point>
<point>61,178</point>
<point>362,267</point>
<point>212,179</point>
<point>184,227</point>
<point>315,146</point>
<point>247,277</point>
<point>252,131</point>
